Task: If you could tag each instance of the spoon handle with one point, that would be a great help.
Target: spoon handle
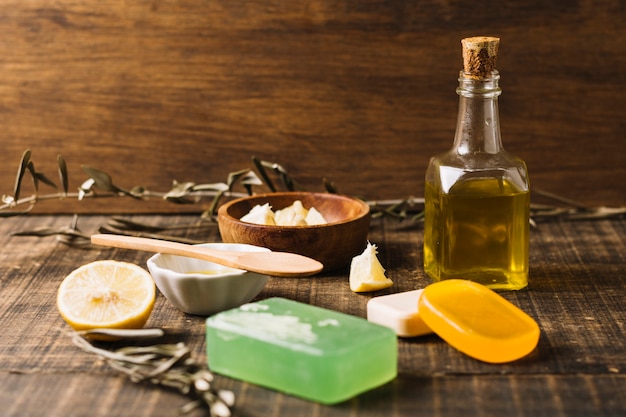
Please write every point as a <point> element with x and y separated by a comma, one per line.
<point>270,263</point>
<point>222,257</point>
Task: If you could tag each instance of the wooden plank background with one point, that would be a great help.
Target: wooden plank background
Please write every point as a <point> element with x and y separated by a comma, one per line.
<point>360,93</point>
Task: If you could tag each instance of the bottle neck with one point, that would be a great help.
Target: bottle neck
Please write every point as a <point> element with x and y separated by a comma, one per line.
<point>478,123</point>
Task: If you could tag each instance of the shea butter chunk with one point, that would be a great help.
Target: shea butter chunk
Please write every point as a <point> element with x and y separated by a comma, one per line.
<point>260,214</point>
<point>314,217</point>
<point>366,272</point>
<point>294,215</point>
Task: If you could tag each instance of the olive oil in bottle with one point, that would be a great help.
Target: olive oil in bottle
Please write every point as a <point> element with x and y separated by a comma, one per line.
<point>477,201</point>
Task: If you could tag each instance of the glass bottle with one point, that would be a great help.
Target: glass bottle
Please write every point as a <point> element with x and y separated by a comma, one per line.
<point>477,195</point>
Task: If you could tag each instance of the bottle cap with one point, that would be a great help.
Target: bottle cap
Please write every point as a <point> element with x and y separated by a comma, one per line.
<point>479,55</point>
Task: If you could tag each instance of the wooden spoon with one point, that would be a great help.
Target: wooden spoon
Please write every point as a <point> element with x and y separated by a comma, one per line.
<point>280,264</point>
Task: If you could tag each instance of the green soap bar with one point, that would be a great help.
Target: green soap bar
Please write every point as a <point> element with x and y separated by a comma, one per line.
<point>302,350</point>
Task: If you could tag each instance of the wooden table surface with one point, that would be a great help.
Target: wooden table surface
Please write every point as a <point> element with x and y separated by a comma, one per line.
<point>576,294</point>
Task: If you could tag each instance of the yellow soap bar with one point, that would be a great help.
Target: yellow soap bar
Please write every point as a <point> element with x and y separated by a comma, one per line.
<point>399,313</point>
<point>477,321</point>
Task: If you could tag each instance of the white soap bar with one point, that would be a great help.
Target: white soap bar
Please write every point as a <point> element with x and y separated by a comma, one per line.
<point>398,312</point>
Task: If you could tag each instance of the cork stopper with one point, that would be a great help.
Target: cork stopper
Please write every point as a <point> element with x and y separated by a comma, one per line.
<point>479,55</point>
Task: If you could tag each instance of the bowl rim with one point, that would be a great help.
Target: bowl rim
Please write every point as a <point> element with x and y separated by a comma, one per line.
<point>230,272</point>
<point>222,212</point>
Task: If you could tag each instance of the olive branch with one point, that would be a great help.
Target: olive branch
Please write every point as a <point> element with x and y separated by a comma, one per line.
<point>167,365</point>
<point>264,175</point>
<point>99,184</point>
<point>269,175</point>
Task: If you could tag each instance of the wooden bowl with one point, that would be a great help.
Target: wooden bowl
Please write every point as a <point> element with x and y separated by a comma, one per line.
<point>333,244</point>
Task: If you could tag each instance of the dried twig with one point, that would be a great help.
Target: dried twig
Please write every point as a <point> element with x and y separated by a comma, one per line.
<point>168,365</point>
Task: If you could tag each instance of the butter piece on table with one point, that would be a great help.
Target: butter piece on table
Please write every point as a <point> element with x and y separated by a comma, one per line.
<point>399,312</point>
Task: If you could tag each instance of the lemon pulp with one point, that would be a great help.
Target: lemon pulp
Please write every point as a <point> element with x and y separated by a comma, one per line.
<point>106,294</point>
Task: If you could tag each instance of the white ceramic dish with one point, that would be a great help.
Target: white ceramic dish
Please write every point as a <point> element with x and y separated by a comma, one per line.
<point>201,287</point>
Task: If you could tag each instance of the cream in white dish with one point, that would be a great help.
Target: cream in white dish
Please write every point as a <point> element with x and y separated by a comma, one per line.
<point>201,287</point>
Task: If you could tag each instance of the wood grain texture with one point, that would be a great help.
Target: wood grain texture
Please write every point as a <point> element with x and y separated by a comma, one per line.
<point>361,93</point>
<point>575,292</point>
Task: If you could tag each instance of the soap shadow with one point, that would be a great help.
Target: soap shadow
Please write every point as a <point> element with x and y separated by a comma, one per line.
<point>401,392</point>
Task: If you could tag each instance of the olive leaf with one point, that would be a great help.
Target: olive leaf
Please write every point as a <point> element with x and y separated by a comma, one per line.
<point>104,182</point>
<point>138,192</point>
<point>26,165</point>
<point>21,171</point>
<point>287,181</point>
<point>260,167</point>
<point>127,224</point>
<point>399,209</point>
<point>599,213</point>
<point>282,174</point>
<point>63,176</point>
<point>330,186</point>
<point>246,177</point>
<point>64,235</point>
<point>180,193</point>
<point>161,236</point>
<point>124,226</point>
<point>70,235</point>
<point>39,177</point>
<point>217,186</point>
<point>220,190</point>
<point>179,189</point>
<point>120,334</point>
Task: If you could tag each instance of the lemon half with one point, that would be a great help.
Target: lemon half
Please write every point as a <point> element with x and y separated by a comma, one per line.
<point>107,294</point>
